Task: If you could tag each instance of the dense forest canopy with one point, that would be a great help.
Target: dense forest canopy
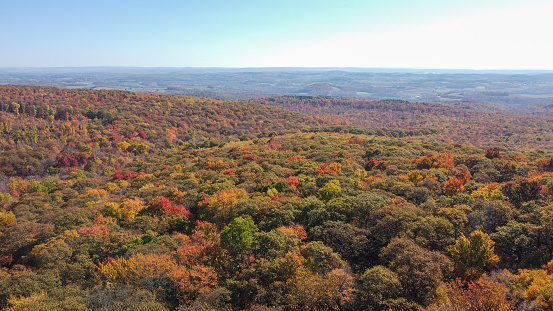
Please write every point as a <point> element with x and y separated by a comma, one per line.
<point>443,123</point>
<point>137,201</point>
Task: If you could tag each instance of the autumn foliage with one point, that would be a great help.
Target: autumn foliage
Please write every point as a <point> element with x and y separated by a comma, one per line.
<point>128,201</point>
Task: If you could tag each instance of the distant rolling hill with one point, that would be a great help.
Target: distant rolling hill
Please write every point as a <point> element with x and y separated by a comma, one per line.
<point>453,124</point>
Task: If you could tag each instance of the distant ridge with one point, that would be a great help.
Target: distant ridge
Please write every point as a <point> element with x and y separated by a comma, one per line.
<point>507,90</point>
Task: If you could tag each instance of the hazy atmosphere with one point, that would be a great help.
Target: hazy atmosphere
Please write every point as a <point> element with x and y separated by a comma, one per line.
<point>491,34</point>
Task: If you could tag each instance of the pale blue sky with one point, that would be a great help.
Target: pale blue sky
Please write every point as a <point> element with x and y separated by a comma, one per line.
<point>468,34</point>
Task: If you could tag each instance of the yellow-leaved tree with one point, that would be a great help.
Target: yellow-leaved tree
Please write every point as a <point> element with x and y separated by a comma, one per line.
<point>472,256</point>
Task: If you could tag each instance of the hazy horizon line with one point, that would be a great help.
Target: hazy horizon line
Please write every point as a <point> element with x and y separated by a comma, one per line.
<point>329,68</point>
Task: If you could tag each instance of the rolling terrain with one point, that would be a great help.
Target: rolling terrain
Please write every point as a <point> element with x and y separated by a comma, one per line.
<point>143,201</point>
<point>444,124</point>
<point>516,91</point>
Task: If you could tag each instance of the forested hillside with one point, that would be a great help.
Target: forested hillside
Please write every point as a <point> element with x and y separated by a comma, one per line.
<point>114,200</point>
<point>467,123</point>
